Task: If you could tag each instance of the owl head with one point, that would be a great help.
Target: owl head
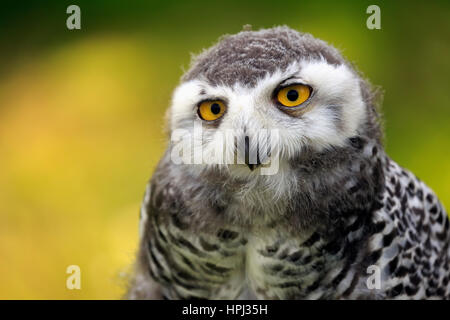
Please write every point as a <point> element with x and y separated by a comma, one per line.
<point>269,95</point>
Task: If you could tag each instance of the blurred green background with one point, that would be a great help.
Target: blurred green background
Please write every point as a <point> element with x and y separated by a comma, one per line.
<point>81,116</point>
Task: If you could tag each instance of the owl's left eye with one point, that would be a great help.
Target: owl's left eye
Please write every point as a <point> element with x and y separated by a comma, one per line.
<point>211,110</point>
<point>293,95</point>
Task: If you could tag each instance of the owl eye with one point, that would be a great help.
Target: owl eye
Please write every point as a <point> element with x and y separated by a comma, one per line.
<point>294,95</point>
<point>211,110</point>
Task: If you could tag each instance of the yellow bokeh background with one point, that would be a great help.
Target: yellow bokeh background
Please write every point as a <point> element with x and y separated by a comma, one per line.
<point>81,118</point>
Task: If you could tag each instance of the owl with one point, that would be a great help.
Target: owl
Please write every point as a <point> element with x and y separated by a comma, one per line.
<point>275,185</point>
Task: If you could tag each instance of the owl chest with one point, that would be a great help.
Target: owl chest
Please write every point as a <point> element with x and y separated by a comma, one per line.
<point>236,264</point>
<point>281,267</point>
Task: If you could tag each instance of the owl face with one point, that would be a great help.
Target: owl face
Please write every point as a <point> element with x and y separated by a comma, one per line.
<point>245,104</point>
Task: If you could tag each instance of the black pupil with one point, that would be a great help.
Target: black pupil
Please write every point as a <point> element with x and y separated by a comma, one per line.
<point>292,95</point>
<point>215,108</point>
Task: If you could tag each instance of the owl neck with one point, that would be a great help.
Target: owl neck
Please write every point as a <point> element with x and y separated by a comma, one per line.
<point>337,182</point>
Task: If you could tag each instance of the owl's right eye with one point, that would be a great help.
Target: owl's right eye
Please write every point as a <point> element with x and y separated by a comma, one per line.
<point>211,110</point>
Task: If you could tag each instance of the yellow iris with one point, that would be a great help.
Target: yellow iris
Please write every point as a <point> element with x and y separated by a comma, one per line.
<point>292,96</point>
<point>211,110</point>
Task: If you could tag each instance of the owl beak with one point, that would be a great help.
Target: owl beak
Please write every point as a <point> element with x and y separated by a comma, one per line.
<point>251,166</point>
